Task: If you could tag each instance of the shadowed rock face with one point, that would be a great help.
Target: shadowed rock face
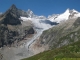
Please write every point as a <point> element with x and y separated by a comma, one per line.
<point>12,15</point>
<point>16,12</point>
<point>11,19</point>
<point>77,22</point>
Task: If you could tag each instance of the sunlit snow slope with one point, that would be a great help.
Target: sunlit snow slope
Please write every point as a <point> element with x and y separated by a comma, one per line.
<point>64,16</point>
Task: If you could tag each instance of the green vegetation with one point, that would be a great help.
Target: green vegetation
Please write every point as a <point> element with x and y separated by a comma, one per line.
<point>69,52</point>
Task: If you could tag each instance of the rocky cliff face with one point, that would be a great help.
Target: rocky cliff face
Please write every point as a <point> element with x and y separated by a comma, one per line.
<point>17,12</point>
<point>63,34</point>
<point>12,28</point>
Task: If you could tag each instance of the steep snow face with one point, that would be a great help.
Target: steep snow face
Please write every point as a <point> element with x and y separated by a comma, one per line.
<point>68,14</point>
<point>59,17</point>
<point>63,16</point>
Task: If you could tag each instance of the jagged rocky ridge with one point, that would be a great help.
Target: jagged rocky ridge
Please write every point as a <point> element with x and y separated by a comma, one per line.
<point>12,28</point>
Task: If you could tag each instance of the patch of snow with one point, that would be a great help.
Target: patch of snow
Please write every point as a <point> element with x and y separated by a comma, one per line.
<point>77,15</point>
<point>75,11</point>
<point>25,18</point>
<point>36,22</point>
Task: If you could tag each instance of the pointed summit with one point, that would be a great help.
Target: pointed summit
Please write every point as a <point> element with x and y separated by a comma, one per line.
<point>75,10</point>
<point>30,13</point>
<point>13,7</point>
<point>13,11</point>
<point>67,11</point>
<point>11,16</point>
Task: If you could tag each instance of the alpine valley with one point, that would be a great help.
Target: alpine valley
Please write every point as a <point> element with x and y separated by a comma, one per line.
<point>26,36</point>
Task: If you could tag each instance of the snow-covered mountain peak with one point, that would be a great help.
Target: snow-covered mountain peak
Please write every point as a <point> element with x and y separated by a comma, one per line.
<point>68,14</point>
<point>30,13</point>
<point>75,11</point>
<point>59,17</point>
<point>74,14</point>
<point>67,11</point>
<point>71,11</point>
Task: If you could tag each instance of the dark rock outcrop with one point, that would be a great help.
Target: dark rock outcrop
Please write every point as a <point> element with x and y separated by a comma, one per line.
<point>16,12</point>
<point>12,15</point>
<point>31,31</point>
<point>10,19</point>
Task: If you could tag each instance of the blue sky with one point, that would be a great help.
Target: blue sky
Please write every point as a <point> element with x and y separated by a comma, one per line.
<point>41,7</point>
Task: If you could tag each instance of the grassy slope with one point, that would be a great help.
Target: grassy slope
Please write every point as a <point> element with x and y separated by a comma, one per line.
<point>69,51</point>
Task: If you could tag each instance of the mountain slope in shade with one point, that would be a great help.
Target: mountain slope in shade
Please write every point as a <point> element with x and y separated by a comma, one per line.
<point>10,16</point>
